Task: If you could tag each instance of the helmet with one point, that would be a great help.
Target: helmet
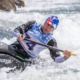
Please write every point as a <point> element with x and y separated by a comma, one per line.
<point>53,20</point>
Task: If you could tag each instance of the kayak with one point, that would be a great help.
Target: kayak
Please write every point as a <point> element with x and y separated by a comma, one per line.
<point>11,57</point>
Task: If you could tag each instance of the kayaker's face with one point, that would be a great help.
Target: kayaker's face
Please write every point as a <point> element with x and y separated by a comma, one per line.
<point>47,28</point>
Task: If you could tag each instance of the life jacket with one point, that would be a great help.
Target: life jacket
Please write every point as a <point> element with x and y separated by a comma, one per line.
<point>35,34</point>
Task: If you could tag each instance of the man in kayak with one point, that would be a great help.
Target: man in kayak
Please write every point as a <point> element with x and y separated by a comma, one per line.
<point>40,33</point>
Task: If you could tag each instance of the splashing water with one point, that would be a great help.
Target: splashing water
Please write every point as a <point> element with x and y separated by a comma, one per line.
<point>67,36</point>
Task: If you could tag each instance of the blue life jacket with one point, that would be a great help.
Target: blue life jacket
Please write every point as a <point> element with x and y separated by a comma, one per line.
<point>35,34</point>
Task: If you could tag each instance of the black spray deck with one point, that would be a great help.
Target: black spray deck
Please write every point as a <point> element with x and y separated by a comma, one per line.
<point>10,58</point>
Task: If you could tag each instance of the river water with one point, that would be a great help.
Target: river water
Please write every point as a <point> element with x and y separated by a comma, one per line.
<point>67,36</point>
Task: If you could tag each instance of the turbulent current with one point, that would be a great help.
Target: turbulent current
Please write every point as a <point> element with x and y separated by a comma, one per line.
<point>67,36</point>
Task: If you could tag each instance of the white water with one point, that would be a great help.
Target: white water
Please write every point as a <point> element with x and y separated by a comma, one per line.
<point>67,35</point>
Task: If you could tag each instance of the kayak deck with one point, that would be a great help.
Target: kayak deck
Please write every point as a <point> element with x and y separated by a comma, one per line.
<point>10,58</point>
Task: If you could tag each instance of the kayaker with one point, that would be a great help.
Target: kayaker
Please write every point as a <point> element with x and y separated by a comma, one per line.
<point>40,33</point>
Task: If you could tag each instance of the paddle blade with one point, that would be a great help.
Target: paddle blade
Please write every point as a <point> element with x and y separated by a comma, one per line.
<point>73,54</point>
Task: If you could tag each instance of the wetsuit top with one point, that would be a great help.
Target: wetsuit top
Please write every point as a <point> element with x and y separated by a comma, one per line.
<point>32,30</point>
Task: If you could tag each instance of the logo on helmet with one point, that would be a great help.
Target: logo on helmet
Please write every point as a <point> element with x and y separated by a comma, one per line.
<point>50,21</point>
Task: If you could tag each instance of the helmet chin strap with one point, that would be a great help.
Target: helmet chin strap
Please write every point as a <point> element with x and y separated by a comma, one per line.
<point>41,28</point>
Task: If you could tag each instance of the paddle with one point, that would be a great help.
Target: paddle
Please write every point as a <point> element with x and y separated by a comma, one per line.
<point>50,47</point>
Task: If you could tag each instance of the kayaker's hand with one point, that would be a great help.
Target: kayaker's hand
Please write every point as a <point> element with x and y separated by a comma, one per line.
<point>20,38</point>
<point>66,54</point>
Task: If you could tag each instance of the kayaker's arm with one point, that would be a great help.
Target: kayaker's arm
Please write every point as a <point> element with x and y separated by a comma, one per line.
<point>55,54</point>
<point>23,28</point>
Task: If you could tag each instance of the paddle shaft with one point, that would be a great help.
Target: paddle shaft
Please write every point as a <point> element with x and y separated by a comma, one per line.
<point>50,47</point>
